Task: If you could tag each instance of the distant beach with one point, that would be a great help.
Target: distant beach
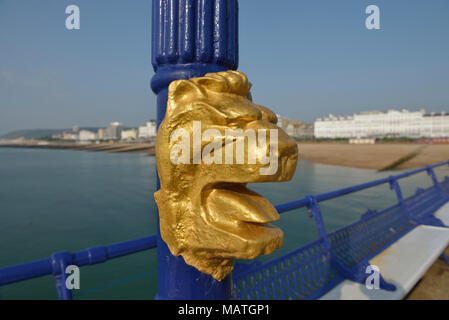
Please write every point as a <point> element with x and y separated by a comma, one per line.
<point>386,156</point>
<point>144,147</point>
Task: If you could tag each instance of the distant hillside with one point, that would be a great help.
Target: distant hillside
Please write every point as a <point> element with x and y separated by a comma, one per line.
<point>38,133</point>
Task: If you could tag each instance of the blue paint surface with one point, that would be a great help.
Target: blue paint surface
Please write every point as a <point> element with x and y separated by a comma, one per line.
<point>189,39</point>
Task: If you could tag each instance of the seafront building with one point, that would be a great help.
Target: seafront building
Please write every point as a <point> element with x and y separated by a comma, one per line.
<point>102,135</point>
<point>376,124</point>
<point>295,128</point>
<point>86,135</point>
<point>130,134</point>
<point>69,136</point>
<point>305,130</point>
<point>148,130</point>
<point>114,131</point>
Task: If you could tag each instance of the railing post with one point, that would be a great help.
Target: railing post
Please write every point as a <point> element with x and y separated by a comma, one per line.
<point>394,185</point>
<point>445,257</point>
<point>315,212</point>
<point>189,39</point>
<point>437,185</point>
<point>59,263</point>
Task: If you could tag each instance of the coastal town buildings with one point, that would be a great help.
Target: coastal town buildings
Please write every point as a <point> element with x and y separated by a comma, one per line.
<point>69,136</point>
<point>86,135</point>
<point>102,135</point>
<point>130,134</point>
<point>376,124</point>
<point>305,130</point>
<point>295,128</point>
<point>114,131</point>
<point>148,130</point>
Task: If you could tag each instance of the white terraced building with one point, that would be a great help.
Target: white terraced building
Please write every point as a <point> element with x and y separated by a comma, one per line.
<point>148,130</point>
<point>376,124</point>
<point>86,135</point>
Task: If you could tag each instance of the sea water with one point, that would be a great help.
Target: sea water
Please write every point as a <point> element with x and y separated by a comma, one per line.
<point>58,200</point>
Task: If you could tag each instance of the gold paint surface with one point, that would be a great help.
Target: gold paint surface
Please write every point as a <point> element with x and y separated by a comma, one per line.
<point>207,215</point>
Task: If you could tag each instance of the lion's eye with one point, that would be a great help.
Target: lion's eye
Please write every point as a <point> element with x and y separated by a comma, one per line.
<point>252,114</point>
<point>239,110</point>
<point>267,114</point>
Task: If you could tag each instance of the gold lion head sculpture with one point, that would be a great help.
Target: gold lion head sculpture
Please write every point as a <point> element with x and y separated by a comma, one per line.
<point>213,141</point>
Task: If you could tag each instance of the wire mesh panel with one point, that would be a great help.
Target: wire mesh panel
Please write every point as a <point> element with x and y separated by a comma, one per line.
<point>310,271</point>
<point>425,202</point>
<point>359,241</point>
<point>304,273</point>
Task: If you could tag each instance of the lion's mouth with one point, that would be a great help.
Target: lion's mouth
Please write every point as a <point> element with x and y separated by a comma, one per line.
<point>244,216</point>
<point>233,203</point>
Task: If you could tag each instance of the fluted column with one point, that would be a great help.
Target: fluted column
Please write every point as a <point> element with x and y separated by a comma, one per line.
<point>189,39</point>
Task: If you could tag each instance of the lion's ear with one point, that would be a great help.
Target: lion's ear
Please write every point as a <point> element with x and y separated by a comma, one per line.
<point>249,96</point>
<point>267,114</point>
<point>214,82</point>
<point>237,81</point>
<point>182,92</point>
<point>227,81</point>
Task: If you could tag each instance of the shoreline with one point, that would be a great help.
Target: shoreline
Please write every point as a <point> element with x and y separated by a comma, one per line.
<point>387,156</point>
<point>145,147</point>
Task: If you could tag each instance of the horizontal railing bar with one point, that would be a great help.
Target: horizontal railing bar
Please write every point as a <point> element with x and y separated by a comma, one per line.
<point>289,206</point>
<point>344,191</point>
<point>89,256</point>
<point>297,204</point>
<point>103,253</point>
<point>25,271</point>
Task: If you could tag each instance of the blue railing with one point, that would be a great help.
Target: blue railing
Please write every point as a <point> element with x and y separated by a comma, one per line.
<point>417,209</point>
<point>310,271</point>
<point>341,192</point>
<point>57,263</point>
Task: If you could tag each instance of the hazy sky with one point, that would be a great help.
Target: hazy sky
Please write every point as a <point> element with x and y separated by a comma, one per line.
<point>306,59</point>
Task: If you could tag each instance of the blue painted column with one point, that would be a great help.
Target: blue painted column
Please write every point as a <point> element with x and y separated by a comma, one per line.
<point>189,39</point>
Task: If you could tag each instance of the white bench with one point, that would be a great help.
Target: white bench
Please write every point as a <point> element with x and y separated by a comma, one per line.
<point>402,264</point>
